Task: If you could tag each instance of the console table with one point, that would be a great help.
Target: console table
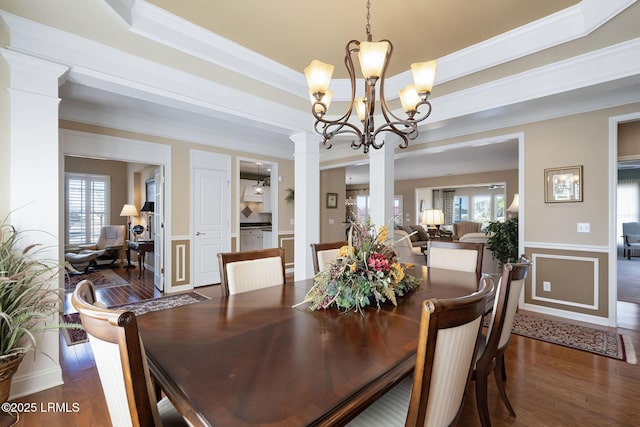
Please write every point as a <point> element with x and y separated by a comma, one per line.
<point>141,247</point>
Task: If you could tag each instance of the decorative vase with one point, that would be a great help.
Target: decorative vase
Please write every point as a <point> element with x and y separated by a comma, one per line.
<point>7,369</point>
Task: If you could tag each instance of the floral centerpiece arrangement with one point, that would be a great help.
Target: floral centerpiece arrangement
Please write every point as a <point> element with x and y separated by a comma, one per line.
<point>366,272</point>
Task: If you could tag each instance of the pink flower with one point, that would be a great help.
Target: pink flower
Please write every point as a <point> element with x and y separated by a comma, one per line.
<point>378,262</point>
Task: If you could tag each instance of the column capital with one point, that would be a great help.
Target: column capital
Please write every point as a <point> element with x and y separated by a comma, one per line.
<point>35,75</point>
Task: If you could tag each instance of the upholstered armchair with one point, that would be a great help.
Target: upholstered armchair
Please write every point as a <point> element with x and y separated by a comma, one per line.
<point>463,227</point>
<point>631,234</point>
<point>110,244</point>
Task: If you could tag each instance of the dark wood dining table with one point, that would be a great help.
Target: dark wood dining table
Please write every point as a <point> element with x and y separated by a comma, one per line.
<point>251,359</point>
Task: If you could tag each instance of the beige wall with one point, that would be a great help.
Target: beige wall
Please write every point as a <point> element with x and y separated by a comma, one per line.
<point>332,181</point>
<point>629,140</point>
<point>117,172</point>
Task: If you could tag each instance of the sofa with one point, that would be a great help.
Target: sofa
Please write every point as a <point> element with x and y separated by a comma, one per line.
<point>419,239</point>
<point>407,253</point>
<point>490,265</point>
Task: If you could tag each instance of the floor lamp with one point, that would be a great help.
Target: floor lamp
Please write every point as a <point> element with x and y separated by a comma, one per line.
<point>128,211</point>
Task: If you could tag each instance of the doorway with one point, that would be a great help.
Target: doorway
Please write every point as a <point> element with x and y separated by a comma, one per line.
<point>105,147</point>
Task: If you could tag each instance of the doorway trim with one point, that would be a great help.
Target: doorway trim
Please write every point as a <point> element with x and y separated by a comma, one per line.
<point>614,121</point>
<point>107,147</point>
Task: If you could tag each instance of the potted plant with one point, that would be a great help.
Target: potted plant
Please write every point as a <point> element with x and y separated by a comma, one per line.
<point>27,301</point>
<point>502,240</point>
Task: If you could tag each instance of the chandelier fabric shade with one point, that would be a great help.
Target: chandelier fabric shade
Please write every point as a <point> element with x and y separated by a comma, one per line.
<point>374,60</point>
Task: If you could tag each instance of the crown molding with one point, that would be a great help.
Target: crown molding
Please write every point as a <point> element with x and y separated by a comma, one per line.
<point>110,69</point>
<point>572,23</point>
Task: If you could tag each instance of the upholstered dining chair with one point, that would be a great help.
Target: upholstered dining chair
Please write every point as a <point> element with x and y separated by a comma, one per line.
<point>447,346</point>
<point>491,352</point>
<point>460,256</point>
<point>324,253</point>
<point>122,365</point>
<point>251,270</point>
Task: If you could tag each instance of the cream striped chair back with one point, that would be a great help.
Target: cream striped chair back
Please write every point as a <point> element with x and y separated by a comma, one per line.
<point>251,270</point>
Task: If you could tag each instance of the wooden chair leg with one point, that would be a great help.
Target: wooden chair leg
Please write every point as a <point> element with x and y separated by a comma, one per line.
<point>498,371</point>
<point>481,399</point>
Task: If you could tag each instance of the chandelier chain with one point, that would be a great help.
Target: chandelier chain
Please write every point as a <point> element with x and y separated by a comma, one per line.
<point>368,26</point>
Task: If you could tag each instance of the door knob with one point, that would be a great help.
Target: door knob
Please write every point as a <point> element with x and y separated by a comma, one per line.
<point>199,233</point>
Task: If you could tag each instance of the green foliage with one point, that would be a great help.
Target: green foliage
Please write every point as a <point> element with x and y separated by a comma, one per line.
<point>27,299</point>
<point>502,240</point>
<point>366,272</point>
<point>289,198</point>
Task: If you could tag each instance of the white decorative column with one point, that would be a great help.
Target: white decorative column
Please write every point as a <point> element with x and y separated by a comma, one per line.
<point>307,202</point>
<point>381,177</point>
<point>35,189</point>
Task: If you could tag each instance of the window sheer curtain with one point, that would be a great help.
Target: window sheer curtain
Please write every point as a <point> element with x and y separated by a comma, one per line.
<point>628,205</point>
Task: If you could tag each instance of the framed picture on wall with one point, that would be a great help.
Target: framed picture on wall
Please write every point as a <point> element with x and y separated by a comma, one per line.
<point>332,200</point>
<point>563,185</point>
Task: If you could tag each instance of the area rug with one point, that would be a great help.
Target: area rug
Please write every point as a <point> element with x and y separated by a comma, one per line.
<point>101,279</point>
<point>604,343</point>
<point>76,336</point>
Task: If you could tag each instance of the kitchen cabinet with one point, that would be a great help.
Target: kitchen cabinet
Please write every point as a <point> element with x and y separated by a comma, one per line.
<point>250,239</point>
<point>267,239</point>
<point>266,200</point>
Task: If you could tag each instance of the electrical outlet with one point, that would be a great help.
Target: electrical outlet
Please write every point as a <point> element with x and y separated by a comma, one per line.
<point>546,286</point>
<point>291,221</point>
<point>584,227</point>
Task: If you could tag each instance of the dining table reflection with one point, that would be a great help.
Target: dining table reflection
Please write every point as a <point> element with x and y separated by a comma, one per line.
<point>253,359</point>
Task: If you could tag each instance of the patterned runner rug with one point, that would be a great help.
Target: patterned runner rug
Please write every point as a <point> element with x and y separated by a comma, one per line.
<point>593,340</point>
<point>101,279</point>
<point>77,336</point>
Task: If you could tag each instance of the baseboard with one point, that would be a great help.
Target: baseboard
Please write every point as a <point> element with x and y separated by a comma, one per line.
<point>26,384</point>
<point>571,315</point>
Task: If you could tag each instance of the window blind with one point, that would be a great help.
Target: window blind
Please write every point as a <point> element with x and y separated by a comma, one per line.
<point>87,207</point>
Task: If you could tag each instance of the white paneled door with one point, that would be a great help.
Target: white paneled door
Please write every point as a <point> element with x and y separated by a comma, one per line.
<point>211,207</point>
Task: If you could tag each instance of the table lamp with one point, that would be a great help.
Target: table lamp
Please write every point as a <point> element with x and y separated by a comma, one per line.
<point>129,211</point>
<point>149,209</point>
<point>433,219</point>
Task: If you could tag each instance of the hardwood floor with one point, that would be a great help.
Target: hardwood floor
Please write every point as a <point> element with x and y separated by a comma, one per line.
<point>548,385</point>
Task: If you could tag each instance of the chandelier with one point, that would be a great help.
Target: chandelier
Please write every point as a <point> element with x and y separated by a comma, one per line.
<point>374,61</point>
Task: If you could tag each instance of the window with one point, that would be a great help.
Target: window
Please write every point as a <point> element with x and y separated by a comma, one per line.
<point>363,208</point>
<point>482,209</point>
<point>87,207</point>
<point>460,208</point>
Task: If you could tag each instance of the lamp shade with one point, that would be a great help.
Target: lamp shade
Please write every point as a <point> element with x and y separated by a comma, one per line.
<point>372,57</point>
<point>515,204</point>
<point>129,210</point>
<point>148,207</point>
<point>409,98</point>
<point>432,217</point>
<point>424,73</point>
<point>318,76</point>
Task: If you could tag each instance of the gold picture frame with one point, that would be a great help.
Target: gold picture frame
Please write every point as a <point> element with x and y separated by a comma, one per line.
<point>332,200</point>
<point>563,185</point>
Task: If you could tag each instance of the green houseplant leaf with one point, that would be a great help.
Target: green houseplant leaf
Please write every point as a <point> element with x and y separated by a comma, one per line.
<point>28,301</point>
<point>502,240</point>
